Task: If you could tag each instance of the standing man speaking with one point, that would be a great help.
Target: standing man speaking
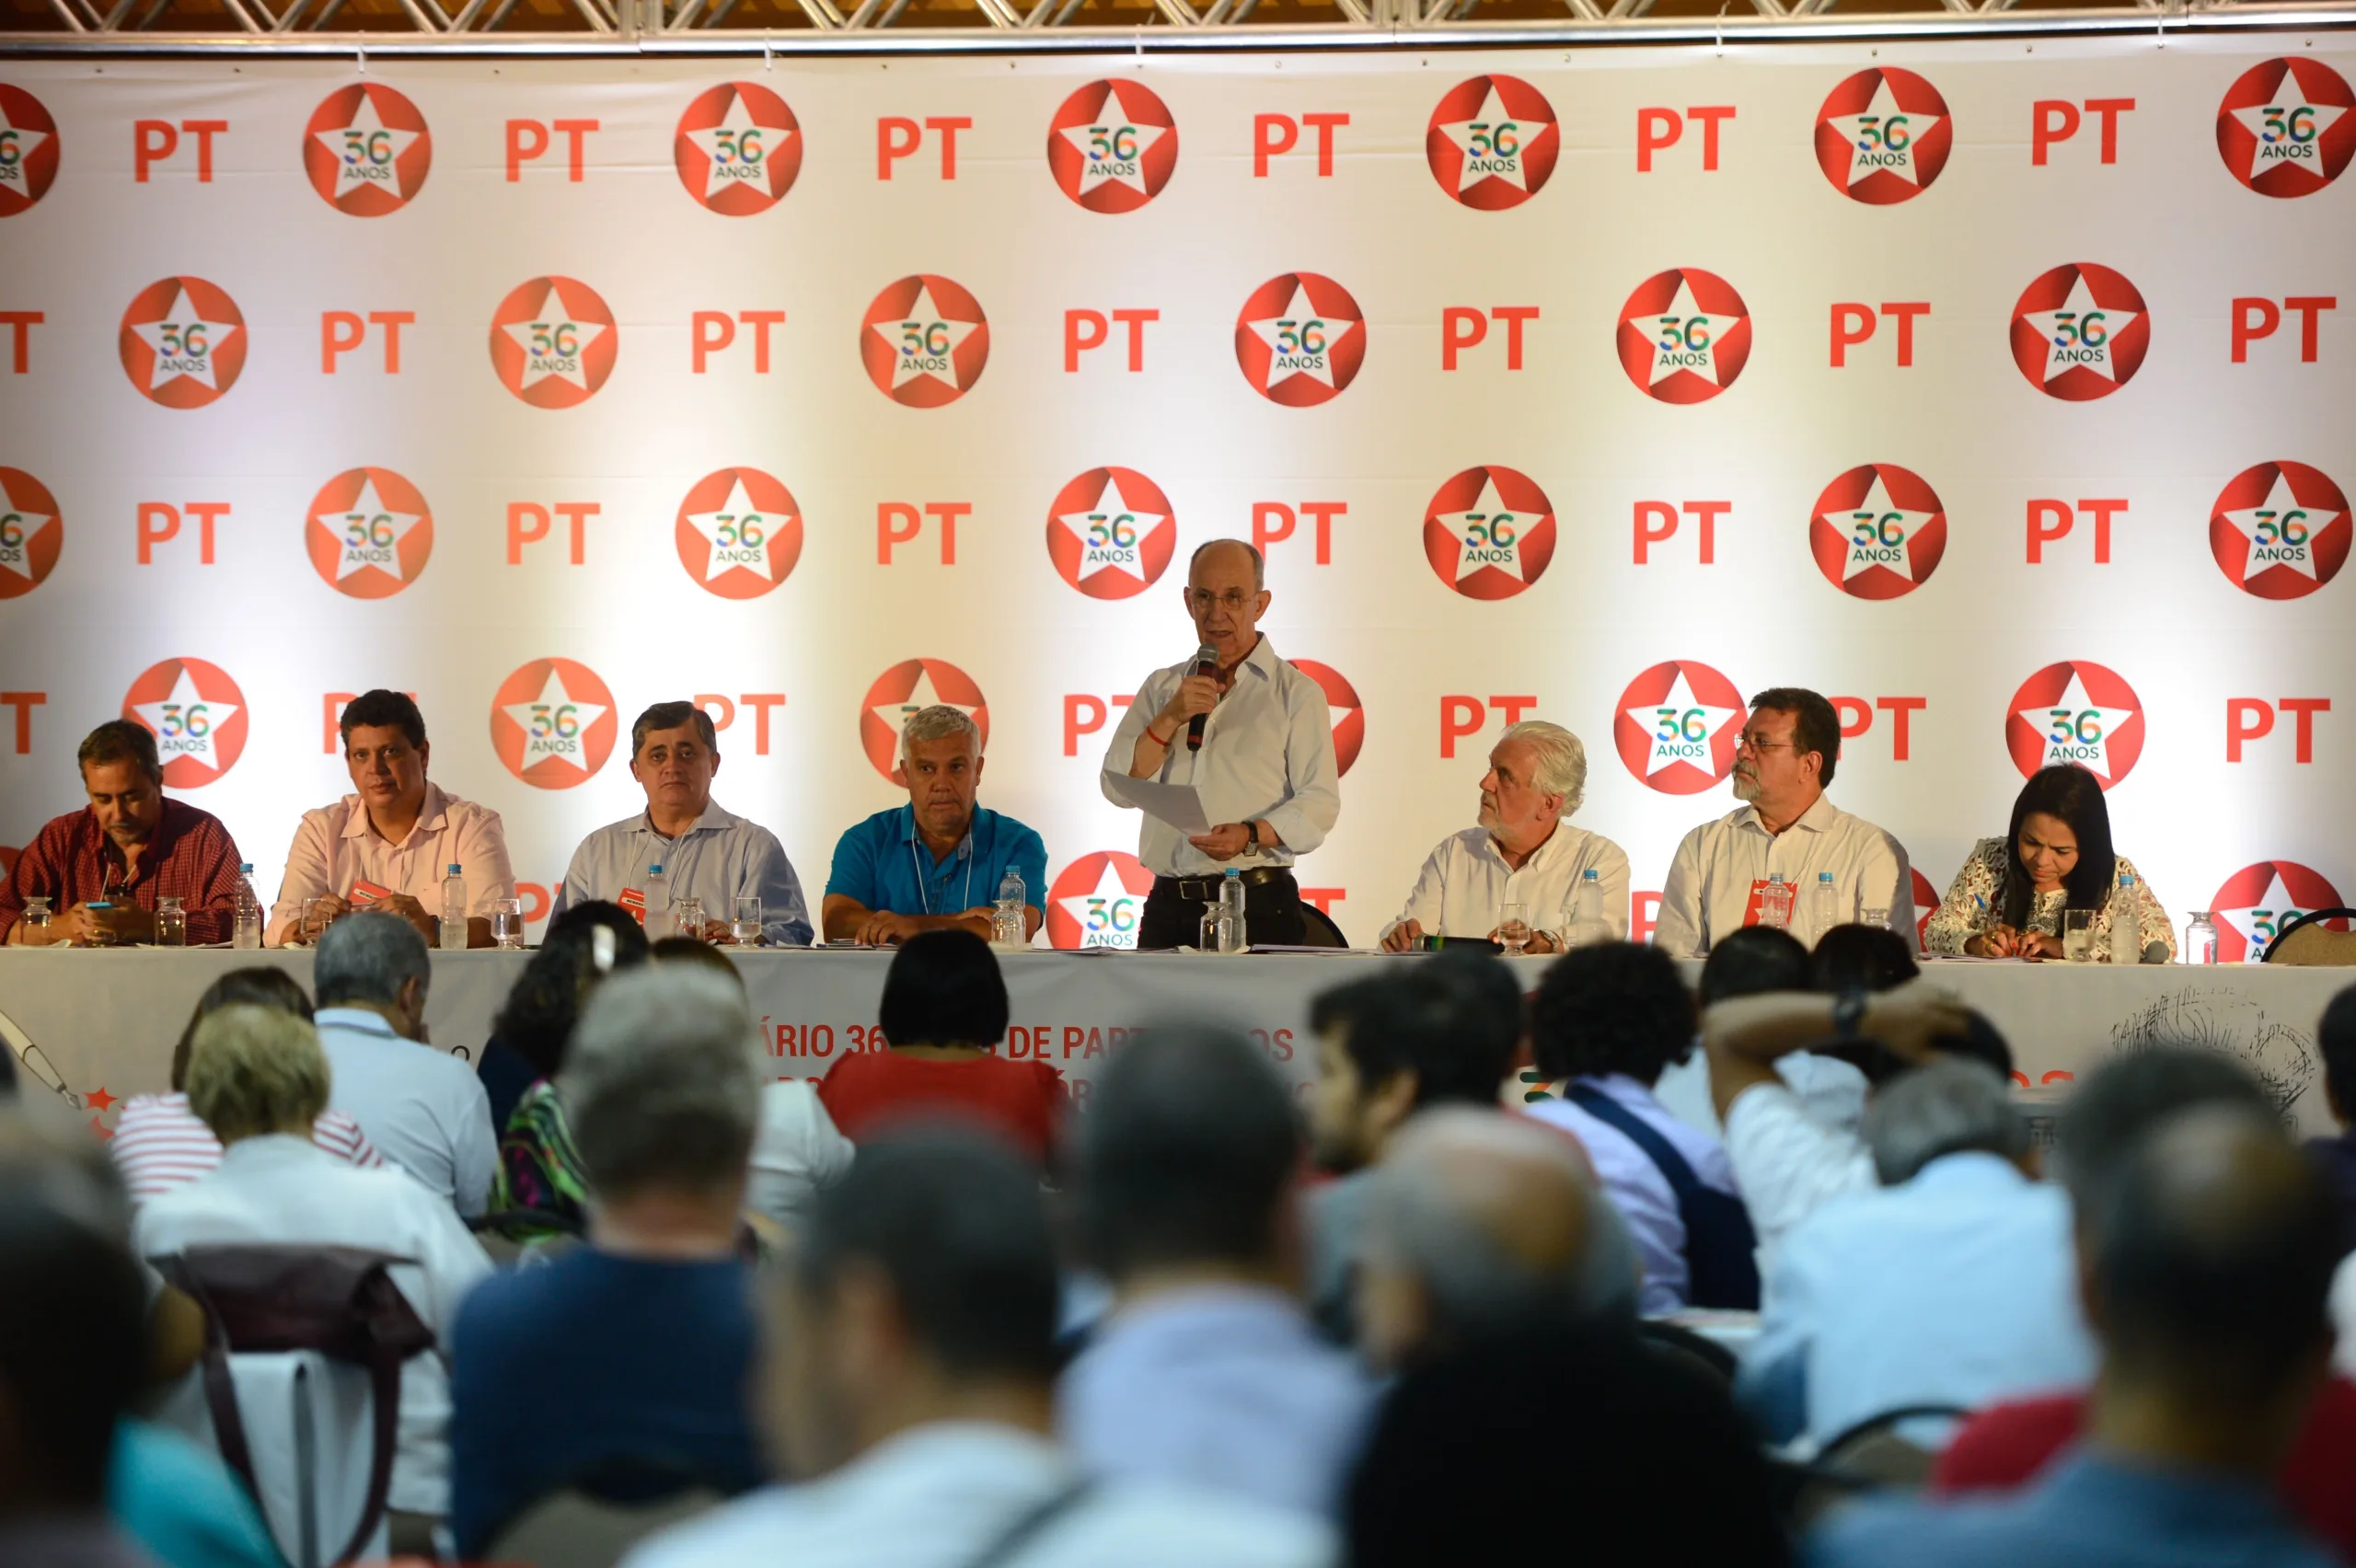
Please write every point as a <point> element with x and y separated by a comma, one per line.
<point>1263,762</point>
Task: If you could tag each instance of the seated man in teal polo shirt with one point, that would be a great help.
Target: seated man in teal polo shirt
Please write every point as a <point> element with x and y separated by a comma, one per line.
<point>937,860</point>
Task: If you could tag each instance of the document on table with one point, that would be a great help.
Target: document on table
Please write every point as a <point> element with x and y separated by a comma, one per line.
<point>1180,805</point>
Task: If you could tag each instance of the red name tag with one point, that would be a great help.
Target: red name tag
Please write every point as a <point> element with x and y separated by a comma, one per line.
<point>366,893</point>
<point>635,902</point>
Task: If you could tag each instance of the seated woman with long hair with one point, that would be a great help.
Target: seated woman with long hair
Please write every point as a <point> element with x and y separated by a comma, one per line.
<point>2008,899</point>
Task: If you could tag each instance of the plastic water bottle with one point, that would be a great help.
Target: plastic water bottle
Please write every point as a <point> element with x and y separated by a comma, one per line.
<point>2200,938</point>
<point>1587,911</point>
<point>2126,934</point>
<point>1231,937</point>
<point>1776,903</point>
<point>1823,906</point>
<point>656,917</point>
<point>245,930</point>
<point>453,911</point>
<point>1006,916</point>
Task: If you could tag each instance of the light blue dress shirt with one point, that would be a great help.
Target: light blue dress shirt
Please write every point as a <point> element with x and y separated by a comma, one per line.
<point>1225,1388</point>
<point>884,864</point>
<point>723,857</point>
<point>1957,1287</point>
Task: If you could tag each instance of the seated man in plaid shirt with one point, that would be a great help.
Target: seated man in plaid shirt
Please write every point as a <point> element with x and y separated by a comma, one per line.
<point>128,848</point>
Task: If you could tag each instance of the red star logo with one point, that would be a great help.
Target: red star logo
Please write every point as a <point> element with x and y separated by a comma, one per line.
<point>98,1100</point>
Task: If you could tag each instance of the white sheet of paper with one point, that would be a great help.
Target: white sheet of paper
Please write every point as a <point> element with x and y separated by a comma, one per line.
<point>1180,805</point>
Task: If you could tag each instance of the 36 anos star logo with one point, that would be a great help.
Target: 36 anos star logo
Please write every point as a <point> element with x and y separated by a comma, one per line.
<point>2257,901</point>
<point>2080,332</point>
<point>369,532</point>
<point>31,532</point>
<point>182,342</point>
<point>2076,712</point>
<point>1343,710</point>
<point>738,148</point>
<point>1113,146</point>
<point>1300,340</point>
<point>2285,127</point>
<point>1111,531</point>
<point>199,717</point>
<point>553,343</point>
<point>552,723</point>
<point>900,692</point>
<point>1877,532</point>
<point>28,147</point>
<point>1489,532</point>
<point>739,533</point>
<point>1883,135</point>
<point>367,150</point>
<point>1684,335</point>
<point>924,341</point>
<point>2280,530</point>
<point>1676,725</point>
<point>1097,900</point>
<point>1492,142</point>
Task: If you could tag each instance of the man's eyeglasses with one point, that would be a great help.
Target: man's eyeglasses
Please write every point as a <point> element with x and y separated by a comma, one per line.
<point>1233,601</point>
<point>1755,744</point>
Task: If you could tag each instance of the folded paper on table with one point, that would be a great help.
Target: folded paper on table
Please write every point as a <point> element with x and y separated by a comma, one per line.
<point>1180,805</point>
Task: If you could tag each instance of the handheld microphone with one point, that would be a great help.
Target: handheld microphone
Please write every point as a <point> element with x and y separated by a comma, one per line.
<point>1205,663</point>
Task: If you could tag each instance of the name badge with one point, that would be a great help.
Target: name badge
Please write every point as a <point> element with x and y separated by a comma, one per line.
<point>366,893</point>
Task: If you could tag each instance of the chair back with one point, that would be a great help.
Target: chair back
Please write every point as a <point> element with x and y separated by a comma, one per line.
<point>1882,1453</point>
<point>2307,940</point>
<point>573,1529</point>
<point>1319,930</point>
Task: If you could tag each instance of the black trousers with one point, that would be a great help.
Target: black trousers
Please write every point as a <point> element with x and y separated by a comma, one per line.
<point>1271,913</point>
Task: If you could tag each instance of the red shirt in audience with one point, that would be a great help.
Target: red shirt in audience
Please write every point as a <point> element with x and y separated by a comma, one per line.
<point>868,1091</point>
<point>2005,1446</point>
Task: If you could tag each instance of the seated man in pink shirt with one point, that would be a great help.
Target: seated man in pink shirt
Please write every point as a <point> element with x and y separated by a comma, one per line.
<point>389,845</point>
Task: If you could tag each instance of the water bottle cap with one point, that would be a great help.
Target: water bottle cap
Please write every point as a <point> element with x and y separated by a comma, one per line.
<point>244,867</point>
<point>1234,873</point>
<point>2127,878</point>
<point>1592,875</point>
<point>454,868</point>
<point>1776,878</point>
<point>655,869</point>
<point>1824,876</point>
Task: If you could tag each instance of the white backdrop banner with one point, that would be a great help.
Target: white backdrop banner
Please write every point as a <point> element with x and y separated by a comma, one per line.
<point>1999,390</point>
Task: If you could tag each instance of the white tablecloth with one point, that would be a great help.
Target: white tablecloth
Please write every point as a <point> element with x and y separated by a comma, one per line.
<point>99,1025</point>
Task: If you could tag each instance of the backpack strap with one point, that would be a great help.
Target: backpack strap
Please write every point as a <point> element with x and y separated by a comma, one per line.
<point>1025,1527</point>
<point>1672,1165</point>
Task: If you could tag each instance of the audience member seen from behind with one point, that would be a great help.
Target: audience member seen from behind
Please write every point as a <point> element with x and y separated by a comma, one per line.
<point>424,1108</point>
<point>1442,1031</point>
<point>259,1079</point>
<point>1206,1370</point>
<point>1951,1285</point>
<point>1485,1229</point>
<point>2204,1263</point>
<point>944,1011</point>
<point>910,1391</point>
<point>1606,1021</point>
<point>528,1037</point>
<point>1754,962</point>
<point>2336,1157</point>
<point>1860,958</point>
<point>2007,901</point>
<point>621,1367</point>
<point>160,1142</point>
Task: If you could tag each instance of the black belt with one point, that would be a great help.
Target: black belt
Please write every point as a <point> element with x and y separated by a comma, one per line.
<point>1205,890</point>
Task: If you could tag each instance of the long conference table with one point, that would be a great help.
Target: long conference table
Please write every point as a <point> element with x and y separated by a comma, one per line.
<point>98,1026</point>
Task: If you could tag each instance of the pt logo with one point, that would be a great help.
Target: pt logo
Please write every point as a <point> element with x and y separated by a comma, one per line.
<point>553,343</point>
<point>31,532</point>
<point>1882,136</point>
<point>1097,900</point>
<point>924,341</point>
<point>1684,335</point>
<point>2257,901</point>
<point>1111,531</point>
<point>2283,127</point>
<point>27,150</point>
<point>2076,712</point>
<point>1489,532</point>
<point>2279,530</point>
<point>199,717</point>
<point>552,723</point>
<point>1300,340</point>
<point>738,149</point>
<point>1877,532</point>
<point>369,533</point>
<point>1113,146</point>
<point>897,696</point>
<point>1492,142</point>
<point>1343,707</point>
<point>183,343</point>
<point>2079,332</point>
<point>367,150</point>
<point>739,533</point>
<point>1675,726</point>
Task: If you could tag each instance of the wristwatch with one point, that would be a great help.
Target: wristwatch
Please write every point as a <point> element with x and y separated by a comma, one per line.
<point>1847,1010</point>
<point>1252,834</point>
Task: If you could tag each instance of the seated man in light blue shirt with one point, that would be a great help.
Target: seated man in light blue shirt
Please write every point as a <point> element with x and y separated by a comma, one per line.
<point>705,853</point>
<point>937,860</point>
<point>1950,1285</point>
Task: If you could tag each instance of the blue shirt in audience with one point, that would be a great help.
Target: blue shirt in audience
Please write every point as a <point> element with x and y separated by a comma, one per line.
<point>181,1504</point>
<point>593,1367</point>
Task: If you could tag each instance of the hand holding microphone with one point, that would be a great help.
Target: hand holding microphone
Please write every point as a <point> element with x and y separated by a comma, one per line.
<point>1191,704</point>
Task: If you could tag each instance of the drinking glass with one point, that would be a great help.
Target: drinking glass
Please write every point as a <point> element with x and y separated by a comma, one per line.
<point>687,915</point>
<point>2078,935</point>
<point>745,922</point>
<point>1207,931</point>
<point>316,915</point>
<point>36,913</point>
<point>171,922</point>
<point>1513,928</point>
<point>506,924</point>
<point>1874,916</point>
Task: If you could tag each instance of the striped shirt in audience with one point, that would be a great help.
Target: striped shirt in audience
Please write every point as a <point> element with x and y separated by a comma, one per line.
<point>159,1143</point>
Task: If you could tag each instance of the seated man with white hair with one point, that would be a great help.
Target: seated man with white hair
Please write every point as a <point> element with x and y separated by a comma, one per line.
<point>1524,851</point>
